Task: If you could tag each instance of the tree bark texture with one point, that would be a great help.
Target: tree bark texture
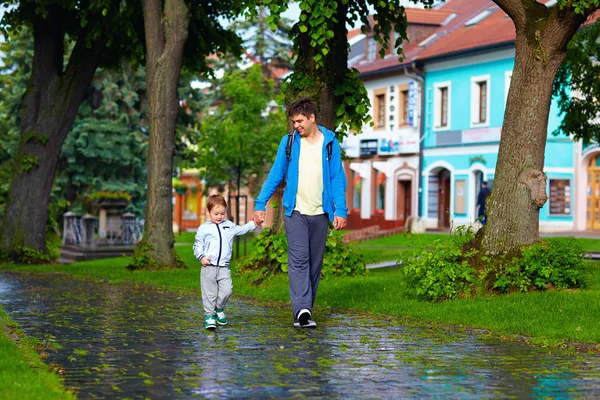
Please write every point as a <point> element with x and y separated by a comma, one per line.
<point>520,185</point>
<point>325,78</point>
<point>49,106</point>
<point>166,33</point>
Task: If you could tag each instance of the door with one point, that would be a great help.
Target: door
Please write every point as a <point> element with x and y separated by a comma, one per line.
<point>444,199</point>
<point>593,195</point>
<point>404,200</point>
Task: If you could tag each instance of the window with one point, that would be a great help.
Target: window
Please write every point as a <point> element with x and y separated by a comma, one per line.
<point>480,100</point>
<point>507,81</point>
<point>380,194</point>
<point>356,193</point>
<point>560,196</point>
<point>403,106</point>
<point>379,108</point>
<point>441,106</point>
<point>371,49</point>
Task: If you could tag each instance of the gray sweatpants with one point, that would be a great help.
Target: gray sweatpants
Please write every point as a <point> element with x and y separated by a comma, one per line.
<point>306,237</point>
<point>216,286</point>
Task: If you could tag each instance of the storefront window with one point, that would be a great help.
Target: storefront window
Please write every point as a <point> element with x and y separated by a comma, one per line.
<point>560,196</point>
<point>356,195</point>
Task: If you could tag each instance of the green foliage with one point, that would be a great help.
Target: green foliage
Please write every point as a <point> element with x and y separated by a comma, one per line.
<point>455,268</point>
<point>17,50</point>
<point>142,259</point>
<point>269,48</point>
<point>443,272</point>
<point>27,163</point>
<point>239,140</point>
<point>319,28</point>
<point>579,74</point>
<point>544,265</point>
<point>270,257</point>
<point>106,150</point>
<point>106,195</point>
<point>29,256</point>
<point>580,6</point>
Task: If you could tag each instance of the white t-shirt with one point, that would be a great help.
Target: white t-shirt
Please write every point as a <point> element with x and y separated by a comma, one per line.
<point>309,198</point>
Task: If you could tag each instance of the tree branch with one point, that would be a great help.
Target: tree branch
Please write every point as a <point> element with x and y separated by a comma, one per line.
<point>515,9</point>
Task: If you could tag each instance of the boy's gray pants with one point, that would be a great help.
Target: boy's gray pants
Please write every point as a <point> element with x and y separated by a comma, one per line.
<point>216,286</point>
<point>306,237</point>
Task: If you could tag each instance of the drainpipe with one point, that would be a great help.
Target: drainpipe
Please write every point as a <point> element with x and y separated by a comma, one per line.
<point>421,80</point>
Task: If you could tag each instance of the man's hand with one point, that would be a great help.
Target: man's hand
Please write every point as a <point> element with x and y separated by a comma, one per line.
<point>205,261</point>
<point>258,217</point>
<point>339,223</point>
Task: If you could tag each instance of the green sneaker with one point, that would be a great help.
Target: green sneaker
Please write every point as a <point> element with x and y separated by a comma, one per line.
<point>221,320</point>
<point>210,322</point>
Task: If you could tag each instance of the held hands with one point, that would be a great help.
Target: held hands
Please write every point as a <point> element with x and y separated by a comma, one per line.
<point>339,223</point>
<point>205,261</point>
<point>258,217</point>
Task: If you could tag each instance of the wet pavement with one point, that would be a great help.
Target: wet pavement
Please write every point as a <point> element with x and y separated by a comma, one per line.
<point>131,342</point>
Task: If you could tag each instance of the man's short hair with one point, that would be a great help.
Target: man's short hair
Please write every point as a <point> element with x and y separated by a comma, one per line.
<point>304,106</point>
<point>484,183</point>
<point>215,200</point>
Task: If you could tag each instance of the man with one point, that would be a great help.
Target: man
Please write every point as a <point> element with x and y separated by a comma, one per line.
<point>481,198</point>
<point>315,194</point>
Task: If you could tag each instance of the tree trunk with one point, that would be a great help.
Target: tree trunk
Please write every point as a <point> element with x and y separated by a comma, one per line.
<point>48,109</point>
<point>323,90</point>
<point>166,33</point>
<point>520,185</point>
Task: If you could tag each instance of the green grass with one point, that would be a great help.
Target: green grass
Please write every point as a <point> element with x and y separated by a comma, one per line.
<point>551,316</point>
<point>23,375</point>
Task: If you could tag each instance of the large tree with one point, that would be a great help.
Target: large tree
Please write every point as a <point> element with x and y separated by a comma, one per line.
<point>321,66</point>
<point>168,24</point>
<point>542,36</point>
<point>55,89</point>
<point>239,138</point>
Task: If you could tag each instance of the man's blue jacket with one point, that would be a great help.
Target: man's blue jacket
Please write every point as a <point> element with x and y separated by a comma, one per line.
<point>334,179</point>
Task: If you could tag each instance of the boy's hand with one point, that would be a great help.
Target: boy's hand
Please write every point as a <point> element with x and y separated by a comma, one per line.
<point>205,261</point>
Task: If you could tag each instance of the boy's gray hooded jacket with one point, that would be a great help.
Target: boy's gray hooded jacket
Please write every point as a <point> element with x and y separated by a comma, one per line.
<point>216,240</point>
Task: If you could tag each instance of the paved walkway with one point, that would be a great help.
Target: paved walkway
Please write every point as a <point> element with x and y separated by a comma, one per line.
<point>137,342</point>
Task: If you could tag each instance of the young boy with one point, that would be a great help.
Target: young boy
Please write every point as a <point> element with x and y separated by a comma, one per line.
<point>213,248</point>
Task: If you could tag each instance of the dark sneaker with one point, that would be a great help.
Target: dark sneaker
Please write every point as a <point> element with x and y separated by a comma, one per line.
<point>303,316</point>
<point>210,322</point>
<point>221,320</point>
<point>309,324</point>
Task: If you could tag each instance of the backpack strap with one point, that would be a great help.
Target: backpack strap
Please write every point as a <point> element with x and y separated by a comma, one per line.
<point>288,146</point>
<point>290,141</point>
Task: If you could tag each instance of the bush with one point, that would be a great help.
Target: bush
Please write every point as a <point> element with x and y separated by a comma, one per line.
<point>444,272</point>
<point>27,255</point>
<point>545,265</point>
<point>455,268</point>
<point>270,257</point>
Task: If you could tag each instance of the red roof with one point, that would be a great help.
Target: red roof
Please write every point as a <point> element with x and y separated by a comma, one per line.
<point>496,28</point>
<point>426,16</point>
<point>353,33</point>
<point>463,10</point>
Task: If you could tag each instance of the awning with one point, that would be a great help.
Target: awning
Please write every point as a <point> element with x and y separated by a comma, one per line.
<point>380,179</point>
